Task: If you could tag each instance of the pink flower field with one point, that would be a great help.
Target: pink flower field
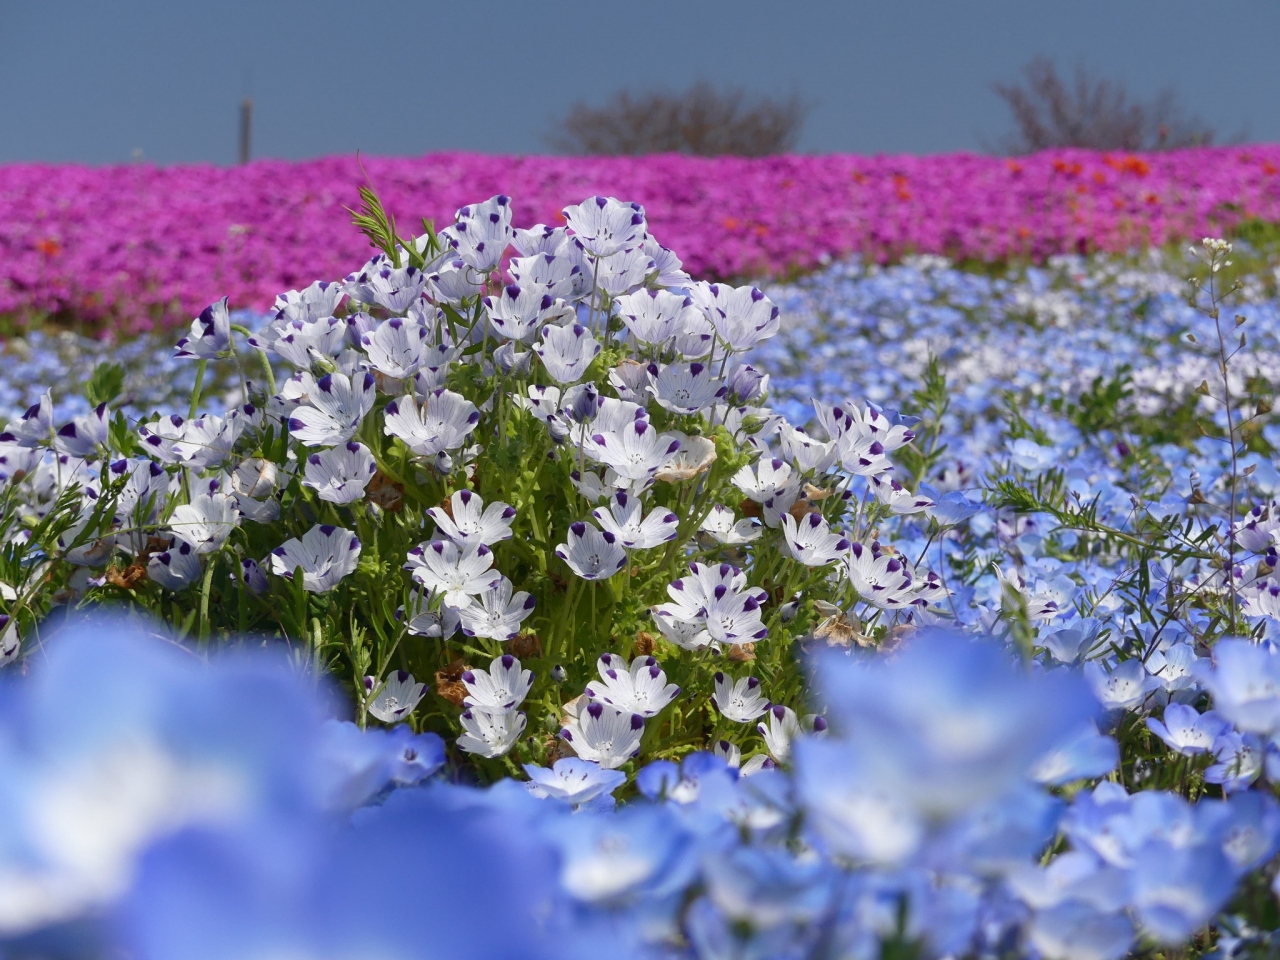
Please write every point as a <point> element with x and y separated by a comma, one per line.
<point>138,246</point>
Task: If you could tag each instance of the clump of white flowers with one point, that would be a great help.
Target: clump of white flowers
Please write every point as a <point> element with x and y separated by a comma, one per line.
<point>538,449</point>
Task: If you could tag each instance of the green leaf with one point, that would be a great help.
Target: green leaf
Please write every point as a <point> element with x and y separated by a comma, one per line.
<point>105,384</point>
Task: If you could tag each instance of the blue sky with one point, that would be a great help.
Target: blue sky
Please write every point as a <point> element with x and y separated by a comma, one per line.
<point>94,80</point>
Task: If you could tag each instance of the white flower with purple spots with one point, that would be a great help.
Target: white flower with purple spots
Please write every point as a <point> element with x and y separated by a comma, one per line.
<point>763,480</point>
<point>442,422</point>
<point>455,572</point>
<point>655,317</point>
<point>898,498</point>
<point>483,232</point>
<point>496,614</point>
<point>302,343</point>
<point>742,316</point>
<point>83,435</point>
<point>500,690</point>
<point>396,348</point>
<point>625,519</point>
<point>325,553</point>
<point>176,568</point>
<point>385,284</point>
<point>566,352</point>
<point>591,554</point>
<point>811,541</point>
<point>641,688</point>
<point>468,521</point>
<point>35,426</point>
<point>490,734</point>
<point>316,302</point>
<point>206,521</point>
<point>395,698</point>
<point>604,225</point>
<point>334,411</point>
<point>635,451</point>
<point>210,335</point>
<point>723,528</point>
<point>739,700</point>
<point>340,474</point>
<point>685,387</point>
<point>604,735</point>
<point>518,312</point>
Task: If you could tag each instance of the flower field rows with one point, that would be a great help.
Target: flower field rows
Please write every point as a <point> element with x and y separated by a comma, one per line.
<point>139,245</point>
<point>520,595</point>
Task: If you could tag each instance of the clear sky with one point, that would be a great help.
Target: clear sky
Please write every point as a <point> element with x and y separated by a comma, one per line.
<point>95,80</point>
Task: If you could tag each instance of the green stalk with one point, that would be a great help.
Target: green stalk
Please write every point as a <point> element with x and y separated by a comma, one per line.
<point>195,394</point>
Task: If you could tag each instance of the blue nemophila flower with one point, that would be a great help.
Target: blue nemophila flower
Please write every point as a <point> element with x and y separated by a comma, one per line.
<point>949,723</point>
<point>325,553</point>
<point>602,734</point>
<point>604,226</point>
<point>1244,681</point>
<point>394,698</point>
<point>455,572</point>
<point>496,613</point>
<point>1187,731</point>
<point>35,427</point>
<point>1239,761</point>
<point>1085,755</point>
<point>574,781</point>
<point>741,700</point>
<point>441,423</point>
<point>210,335</point>
<point>625,519</point>
<point>590,553</point>
<point>641,688</point>
<point>467,521</point>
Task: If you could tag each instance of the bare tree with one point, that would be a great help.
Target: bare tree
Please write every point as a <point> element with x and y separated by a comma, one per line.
<point>701,120</point>
<point>1093,112</point>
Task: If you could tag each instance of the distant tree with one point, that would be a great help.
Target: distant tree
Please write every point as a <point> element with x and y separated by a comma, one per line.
<point>1093,112</point>
<point>701,120</point>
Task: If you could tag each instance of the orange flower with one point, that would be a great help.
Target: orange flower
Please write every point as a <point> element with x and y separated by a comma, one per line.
<point>50,248</point>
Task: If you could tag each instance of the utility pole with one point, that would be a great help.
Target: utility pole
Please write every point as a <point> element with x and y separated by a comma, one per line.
<point>246,127</point>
